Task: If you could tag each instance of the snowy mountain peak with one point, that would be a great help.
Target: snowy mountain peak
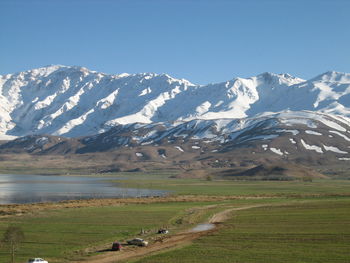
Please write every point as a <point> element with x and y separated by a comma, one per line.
<point>44,71</point>
<point>273,78</point>
<point>74,101</point>
<point>50,69</point>
<point>333,76</point>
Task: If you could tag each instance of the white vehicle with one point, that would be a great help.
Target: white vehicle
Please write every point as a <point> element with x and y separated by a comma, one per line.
<point>138,242</point>
<point>37,260</point>
<point>163,231</point>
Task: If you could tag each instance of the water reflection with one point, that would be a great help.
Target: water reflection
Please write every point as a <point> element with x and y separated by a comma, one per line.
<point>19,189</point>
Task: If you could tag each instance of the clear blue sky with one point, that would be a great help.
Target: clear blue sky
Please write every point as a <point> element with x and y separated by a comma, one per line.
<point>201,40</point>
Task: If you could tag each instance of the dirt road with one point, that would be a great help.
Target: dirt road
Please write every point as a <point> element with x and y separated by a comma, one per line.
<point>165,243</point>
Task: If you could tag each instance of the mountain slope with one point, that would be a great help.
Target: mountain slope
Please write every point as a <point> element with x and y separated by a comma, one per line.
<point>73,101</point>
<point>294,136</point>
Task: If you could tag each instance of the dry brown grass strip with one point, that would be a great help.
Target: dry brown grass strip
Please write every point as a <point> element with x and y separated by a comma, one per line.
<point>19,209</point>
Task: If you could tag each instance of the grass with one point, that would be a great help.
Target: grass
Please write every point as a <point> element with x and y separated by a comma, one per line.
<point>278,234</point>
<point>240,188</point>
<point>61,234</point>
<point>317,232</point>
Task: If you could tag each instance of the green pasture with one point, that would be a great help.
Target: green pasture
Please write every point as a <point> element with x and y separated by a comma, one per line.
<point>63,234</point>
<point>314,227</point>
<point>304,232</point>
<point>240,188</point>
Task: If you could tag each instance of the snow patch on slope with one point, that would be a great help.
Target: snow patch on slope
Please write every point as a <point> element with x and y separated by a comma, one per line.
<point>313,133</point>
<point>341,135</point>
<point>276,151</point>
<point>311,147</point>
<point>333,149</point>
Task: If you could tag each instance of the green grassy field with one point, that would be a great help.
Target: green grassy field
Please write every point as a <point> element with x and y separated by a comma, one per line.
<point>56,234</point>
<point>257,235</point>
<point>245,188</point>
<point>314,231</point>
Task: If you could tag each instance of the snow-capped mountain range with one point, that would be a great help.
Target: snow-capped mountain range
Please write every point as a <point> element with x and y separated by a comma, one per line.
<point>74,101</point>
<point>151,118</point>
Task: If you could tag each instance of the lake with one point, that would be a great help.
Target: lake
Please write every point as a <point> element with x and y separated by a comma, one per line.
<point>21,189</point>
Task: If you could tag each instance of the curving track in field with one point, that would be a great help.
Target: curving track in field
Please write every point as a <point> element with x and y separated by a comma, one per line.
<point>166,242</point>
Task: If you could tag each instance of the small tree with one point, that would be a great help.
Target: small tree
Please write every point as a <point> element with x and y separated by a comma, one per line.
<point>13,236</point>
<point>209,178</point>
<point>307,178</point>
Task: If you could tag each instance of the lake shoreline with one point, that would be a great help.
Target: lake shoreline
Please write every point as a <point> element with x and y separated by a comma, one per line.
<point>26,189</point>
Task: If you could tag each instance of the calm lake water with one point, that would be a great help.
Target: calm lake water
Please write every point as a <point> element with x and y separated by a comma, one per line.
<point>20,189</point>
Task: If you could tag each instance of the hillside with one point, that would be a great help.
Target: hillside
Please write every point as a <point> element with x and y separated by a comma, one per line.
<point>73,101</point>
<point>144,120</point>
